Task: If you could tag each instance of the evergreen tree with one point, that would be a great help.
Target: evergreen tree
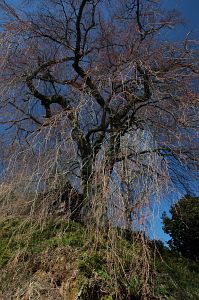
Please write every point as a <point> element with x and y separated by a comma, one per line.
<point>183,226</point>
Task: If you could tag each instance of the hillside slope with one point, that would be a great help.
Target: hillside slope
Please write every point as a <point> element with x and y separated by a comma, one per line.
<point>62,260</point>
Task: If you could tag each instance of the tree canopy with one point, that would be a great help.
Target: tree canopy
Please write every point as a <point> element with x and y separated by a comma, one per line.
<point>97,101</point>
<point>183,226</point>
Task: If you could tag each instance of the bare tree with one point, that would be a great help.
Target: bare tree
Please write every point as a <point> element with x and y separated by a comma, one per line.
<point>98,99</point>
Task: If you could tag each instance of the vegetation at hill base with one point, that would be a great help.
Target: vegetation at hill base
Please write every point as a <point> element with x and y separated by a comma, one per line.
<point>62,260</point>
<point>183,227</point>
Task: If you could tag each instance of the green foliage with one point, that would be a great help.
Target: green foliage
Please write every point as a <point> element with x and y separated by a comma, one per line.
<point>17,236</point>
<point>177,277</point>
<point>58,244</point>
<point>183,227</point>
<point>92,264</point>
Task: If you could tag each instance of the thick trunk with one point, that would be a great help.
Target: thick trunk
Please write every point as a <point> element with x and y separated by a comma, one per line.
<point>72,202</point>
<point>67,201</point>
<point>112,153</point>
<point>92,201</point>
<point>86,177</point>
<point>88,188</point>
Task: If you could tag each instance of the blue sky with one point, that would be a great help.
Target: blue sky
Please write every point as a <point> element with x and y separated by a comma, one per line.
<point>190,13</point>
<point>189,10</point>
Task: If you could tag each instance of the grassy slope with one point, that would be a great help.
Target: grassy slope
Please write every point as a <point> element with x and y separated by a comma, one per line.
<point>60,260</point>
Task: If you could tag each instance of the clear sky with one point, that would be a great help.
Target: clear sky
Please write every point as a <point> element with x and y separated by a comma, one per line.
<point>188,8</point>
<point>190,14</point>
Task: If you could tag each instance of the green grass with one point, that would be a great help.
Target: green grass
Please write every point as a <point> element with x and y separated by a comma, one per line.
<point>21,236</point>
<point>102,273</point>
<point>177,277</point>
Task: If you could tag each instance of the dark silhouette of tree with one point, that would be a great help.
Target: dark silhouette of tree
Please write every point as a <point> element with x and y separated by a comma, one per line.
<point>97,98</point>
<point>183,227</point>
